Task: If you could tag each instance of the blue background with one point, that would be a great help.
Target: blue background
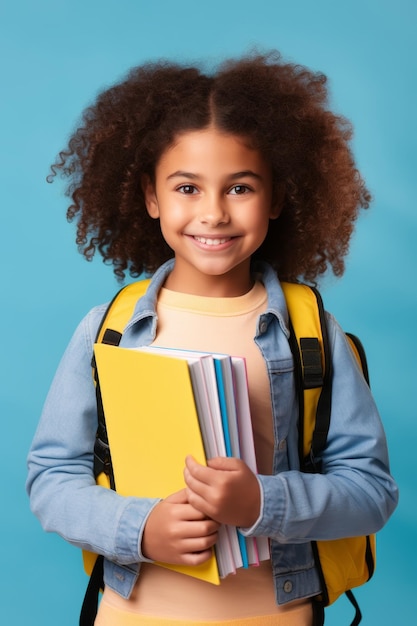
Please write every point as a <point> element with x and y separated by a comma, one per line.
<point>55,56</point>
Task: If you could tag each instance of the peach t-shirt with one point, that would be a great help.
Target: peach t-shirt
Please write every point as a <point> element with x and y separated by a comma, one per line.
<point>225,325</point>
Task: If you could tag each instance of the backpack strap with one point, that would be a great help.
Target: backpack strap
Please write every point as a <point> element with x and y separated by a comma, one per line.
<point>313,365</point>
<point>119,311</point>
<point>110,331</point>
<point>313,370</point>
<point>90,603</point>
<point>360,354</point>
<point>313,375</point>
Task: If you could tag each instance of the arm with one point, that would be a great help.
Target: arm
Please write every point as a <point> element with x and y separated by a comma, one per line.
<point>355,494</point>
<point>61,484</point>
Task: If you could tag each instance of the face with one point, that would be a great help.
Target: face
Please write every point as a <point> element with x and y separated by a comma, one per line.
<point>213,197</point>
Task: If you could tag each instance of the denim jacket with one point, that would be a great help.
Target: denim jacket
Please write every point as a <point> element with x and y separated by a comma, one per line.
<point>354,495</point>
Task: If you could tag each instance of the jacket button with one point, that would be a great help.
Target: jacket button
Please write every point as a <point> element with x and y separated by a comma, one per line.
<point>263,327</point>
<point>283,444</point>
<point>288,586</point>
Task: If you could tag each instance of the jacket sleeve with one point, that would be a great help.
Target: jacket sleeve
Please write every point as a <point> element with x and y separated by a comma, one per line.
<point>355,494</point>
<point>61,485</point>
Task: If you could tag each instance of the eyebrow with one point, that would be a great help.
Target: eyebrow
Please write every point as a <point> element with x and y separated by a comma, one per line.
<point>234,176</point>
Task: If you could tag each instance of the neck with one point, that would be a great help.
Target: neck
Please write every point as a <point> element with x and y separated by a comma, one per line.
<point>210,286</point>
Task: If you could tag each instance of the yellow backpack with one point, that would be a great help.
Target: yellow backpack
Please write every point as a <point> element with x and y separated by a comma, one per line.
<point>343,563</point>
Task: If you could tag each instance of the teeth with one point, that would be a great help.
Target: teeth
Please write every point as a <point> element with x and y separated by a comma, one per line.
<point>212,242</point>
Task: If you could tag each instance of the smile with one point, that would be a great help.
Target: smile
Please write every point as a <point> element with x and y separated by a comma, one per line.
<point>212,242</point>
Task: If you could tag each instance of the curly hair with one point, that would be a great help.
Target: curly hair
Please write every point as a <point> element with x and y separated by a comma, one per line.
<point>281,108</point>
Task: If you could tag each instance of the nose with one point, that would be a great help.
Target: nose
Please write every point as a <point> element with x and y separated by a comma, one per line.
<point>213,211</point>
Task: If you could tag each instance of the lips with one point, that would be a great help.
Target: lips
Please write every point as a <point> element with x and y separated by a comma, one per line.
<point>210,241</point>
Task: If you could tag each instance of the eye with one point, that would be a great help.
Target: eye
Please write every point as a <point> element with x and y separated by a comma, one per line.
<point>187,189</point>
<point>239,190</point>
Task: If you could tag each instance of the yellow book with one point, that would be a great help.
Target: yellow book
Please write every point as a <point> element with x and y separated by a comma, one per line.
<point>152,424</point>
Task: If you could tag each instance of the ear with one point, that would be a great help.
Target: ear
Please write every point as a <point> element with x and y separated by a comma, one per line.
<point>149,193</point>
<point>275,211</point>
<point>277,202</point>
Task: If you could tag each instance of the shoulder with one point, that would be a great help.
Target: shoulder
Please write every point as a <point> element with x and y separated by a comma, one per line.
<point>344,360</point>
<point>85,332</point>
<point>93,319</point>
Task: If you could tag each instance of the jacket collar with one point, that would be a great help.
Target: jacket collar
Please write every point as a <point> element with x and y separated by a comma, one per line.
<point>146,306</point>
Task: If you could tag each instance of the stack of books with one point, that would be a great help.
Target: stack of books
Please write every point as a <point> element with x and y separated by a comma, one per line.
<point>162,404</point>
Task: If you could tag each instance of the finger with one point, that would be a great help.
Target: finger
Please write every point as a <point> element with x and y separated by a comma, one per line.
<point>197,472</point>
<point>183,510</point>
<point>223,463</point>
<point>194,538</point>
<point>194,468</point>
<point>196,558</point>
<point>179,497</point>
<point>196,488</point>
<point>202,528</point>
<point>189,513</point>
<point>186,512</point>
<point>201,504</point>
<point>198,544</point>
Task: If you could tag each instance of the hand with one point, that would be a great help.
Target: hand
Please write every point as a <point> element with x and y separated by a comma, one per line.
<point>226,490</point>
<point>177,533</point>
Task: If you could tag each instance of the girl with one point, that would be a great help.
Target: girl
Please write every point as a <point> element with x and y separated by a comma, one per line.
<point>228,183</point>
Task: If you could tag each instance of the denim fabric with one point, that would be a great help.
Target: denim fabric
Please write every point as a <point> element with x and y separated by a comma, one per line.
<point>355,494</point>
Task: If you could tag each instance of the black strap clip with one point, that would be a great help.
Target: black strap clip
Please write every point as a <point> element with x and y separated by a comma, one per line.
<point>313,375</point>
